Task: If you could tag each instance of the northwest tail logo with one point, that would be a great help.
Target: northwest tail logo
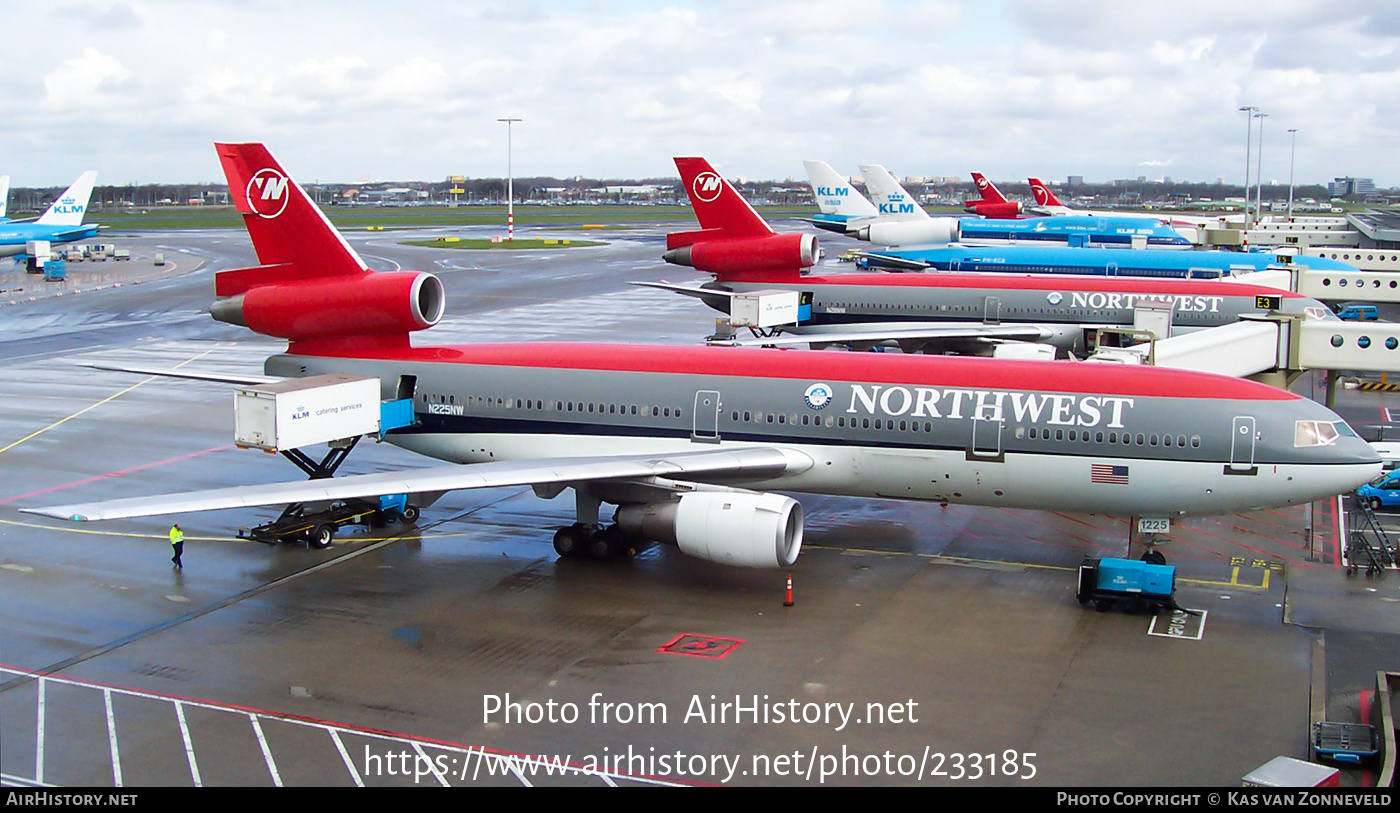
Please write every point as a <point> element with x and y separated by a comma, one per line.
<point>707,186</point>
<point>1041,195</point>
<point>267,193</point>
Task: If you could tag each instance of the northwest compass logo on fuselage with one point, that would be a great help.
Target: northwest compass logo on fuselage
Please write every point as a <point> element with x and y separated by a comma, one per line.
<point>1055,297</point>
<point>267,193</point>
<point>817,396</point>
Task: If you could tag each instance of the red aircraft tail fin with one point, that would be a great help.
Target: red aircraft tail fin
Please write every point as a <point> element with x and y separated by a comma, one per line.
<point>312,288</point>
<point>1043,195</point>
<point>287,229</point>
<point>987,189</point>
<point>734,242</point>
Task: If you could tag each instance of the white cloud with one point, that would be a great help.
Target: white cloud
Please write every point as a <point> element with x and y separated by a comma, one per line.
<point>613,88</point>
<point>89,80</point>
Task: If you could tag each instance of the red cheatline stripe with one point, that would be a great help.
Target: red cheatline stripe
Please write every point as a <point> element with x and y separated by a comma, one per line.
<point>816,365</point>
<point>117,473</point>
<point>1021,282</point>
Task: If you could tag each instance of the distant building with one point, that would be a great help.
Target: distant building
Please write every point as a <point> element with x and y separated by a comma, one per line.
<point>1341,187</point>
<point>1074,180</point>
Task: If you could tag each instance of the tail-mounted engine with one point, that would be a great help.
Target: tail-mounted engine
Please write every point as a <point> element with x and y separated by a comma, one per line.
<point>935,230</point>
<point>732,256</point>
<point>304,310</point>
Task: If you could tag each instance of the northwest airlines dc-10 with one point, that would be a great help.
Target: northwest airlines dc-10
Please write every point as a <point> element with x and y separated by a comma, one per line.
<point>689,441</point>
<point>957,310</point>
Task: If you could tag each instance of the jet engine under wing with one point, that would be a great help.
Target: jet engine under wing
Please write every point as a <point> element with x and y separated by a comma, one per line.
<point>746,463</point>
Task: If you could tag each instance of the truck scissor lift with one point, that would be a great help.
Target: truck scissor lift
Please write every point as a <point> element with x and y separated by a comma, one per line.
<point>338,409</point>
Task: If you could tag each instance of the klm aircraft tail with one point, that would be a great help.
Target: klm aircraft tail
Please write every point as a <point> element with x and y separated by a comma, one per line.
<point>70,207</point>
<point>835,195</point>
<point>889,196</point>
<point>4,194</point>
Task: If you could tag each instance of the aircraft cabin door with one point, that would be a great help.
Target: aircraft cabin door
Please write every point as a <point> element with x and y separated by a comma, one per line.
<point>705,429</point>
<point>991,310</point>
<point>1111,270</point>
<point>1242,446</point>
<point>986,440</point>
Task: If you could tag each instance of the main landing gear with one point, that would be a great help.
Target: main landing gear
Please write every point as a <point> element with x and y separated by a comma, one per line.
<point>583,540</point>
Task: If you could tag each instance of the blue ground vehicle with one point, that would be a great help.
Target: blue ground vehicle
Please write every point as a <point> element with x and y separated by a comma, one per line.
<point>1381,492</point>
<point>1358,312</point>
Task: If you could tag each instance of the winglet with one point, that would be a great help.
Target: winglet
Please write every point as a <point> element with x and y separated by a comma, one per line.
<point>69,208</point>
<point>4,194</point>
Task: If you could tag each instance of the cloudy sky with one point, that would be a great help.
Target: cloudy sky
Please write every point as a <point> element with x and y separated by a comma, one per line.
<point>352,90</point>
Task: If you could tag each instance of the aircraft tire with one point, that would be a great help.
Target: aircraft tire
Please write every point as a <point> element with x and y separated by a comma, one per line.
<point>568,542</point>
<point>606,544</point>
<point>410,513</point>
<point>321,536</point>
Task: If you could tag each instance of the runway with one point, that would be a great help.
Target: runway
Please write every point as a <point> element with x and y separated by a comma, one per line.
<point>926,645</point>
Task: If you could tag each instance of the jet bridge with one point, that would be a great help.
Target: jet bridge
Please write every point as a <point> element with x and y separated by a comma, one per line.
<point>1271,346</point>
<point>1329,285</point>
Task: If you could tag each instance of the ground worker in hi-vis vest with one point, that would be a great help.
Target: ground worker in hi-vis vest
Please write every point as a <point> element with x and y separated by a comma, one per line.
<point>177,544</point>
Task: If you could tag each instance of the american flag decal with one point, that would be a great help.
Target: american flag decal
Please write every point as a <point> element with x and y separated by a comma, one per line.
<point>1104,473</point>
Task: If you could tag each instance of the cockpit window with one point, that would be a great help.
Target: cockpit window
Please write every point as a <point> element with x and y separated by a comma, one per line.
<point>1318,313</point>
<point>1317,433</point>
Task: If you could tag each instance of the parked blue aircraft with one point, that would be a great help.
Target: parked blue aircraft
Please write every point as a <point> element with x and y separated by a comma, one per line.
<point>1072,230</point>
<point>61,223</point>
<point>1123,262</point>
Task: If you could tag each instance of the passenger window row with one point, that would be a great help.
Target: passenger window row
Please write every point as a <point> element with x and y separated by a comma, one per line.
<point>586,407</point>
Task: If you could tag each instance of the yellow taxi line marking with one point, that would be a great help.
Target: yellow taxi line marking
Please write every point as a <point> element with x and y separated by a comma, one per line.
<point>146,380</point>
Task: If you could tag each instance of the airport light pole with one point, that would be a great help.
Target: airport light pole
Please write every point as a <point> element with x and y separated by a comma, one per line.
<point>1292,153</point>
<point>510,185</point>
<point>1248,142</point>
<point>1259,171</point>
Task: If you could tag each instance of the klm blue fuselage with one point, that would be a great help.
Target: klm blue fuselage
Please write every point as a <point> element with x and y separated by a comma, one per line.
<point>13,236</point>
<point>1101,261</point>
<point>1072,230</point>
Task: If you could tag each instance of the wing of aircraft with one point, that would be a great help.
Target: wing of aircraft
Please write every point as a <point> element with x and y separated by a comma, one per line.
<point>194,375</point>
<point>707,466</point>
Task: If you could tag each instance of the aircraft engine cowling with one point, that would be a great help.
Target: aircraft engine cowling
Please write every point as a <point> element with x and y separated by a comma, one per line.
<point>731,528</point>
<point>387,303</point>
<point>997,210</point>
<point>912,232</point>
<point>740,255</point>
